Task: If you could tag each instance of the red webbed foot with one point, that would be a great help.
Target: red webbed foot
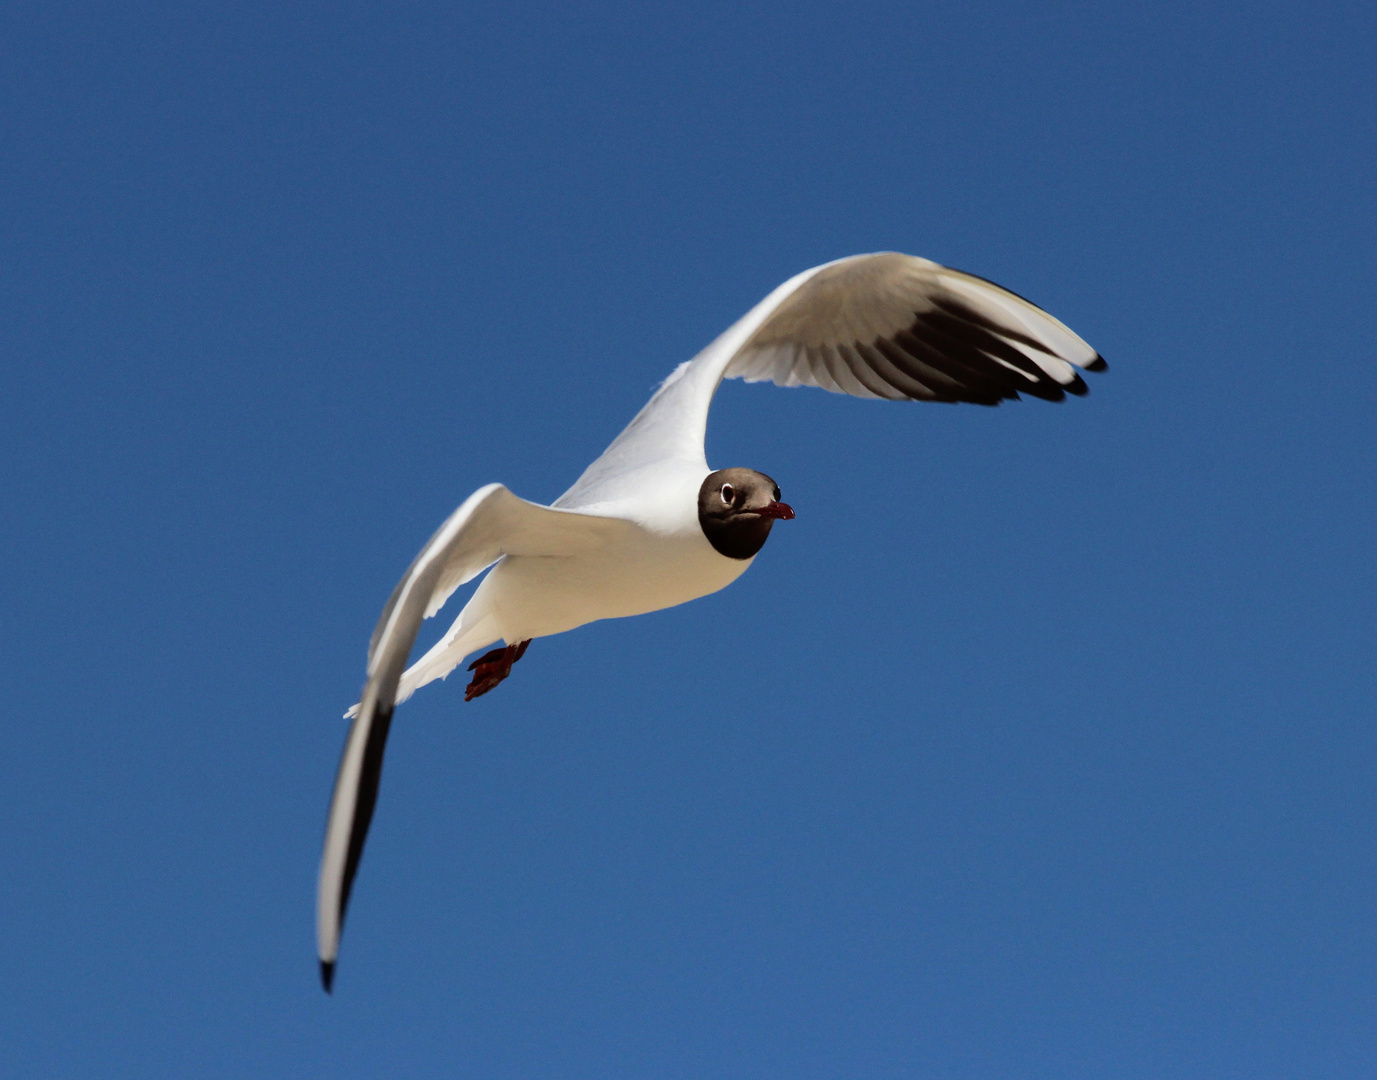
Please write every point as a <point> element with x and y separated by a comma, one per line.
<point>492,667</point>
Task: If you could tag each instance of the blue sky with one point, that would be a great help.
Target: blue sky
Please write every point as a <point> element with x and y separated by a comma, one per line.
<point>1041,744</point>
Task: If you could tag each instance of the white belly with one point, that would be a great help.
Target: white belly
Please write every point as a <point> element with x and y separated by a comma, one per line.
<point>535,597</point>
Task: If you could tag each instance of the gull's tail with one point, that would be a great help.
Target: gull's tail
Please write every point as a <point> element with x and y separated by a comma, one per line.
<point>471,631</point>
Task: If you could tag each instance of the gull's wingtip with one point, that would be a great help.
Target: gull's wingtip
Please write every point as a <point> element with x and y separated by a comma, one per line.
<point>1098,364</point>
<point>327,975</point>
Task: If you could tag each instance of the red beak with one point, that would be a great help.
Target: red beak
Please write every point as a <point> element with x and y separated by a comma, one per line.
<point>780,510</point>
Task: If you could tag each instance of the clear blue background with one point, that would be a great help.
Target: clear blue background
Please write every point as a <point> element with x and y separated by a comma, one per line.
<point>1040,745</point>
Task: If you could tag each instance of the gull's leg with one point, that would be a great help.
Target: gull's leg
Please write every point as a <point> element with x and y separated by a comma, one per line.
<point>492,667</point>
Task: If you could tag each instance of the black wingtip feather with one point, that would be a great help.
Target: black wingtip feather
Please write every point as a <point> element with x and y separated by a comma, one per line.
<point>370,775</point>
<point>1098,364</point>
<point>1076,386</point>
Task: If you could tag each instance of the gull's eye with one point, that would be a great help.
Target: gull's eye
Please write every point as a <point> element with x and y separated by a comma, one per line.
<point>728,494</point>
<point>776,493</point>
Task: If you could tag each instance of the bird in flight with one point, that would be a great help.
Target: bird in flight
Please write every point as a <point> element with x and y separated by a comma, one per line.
<point>649,525</point>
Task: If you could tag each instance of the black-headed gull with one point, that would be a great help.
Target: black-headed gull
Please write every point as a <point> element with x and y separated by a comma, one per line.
<point>648,525</point>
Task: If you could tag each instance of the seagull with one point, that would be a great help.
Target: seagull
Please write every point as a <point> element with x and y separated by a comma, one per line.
<point>649,525</point>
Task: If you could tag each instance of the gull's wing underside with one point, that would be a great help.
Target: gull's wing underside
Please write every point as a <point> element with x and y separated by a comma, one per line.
<point>491,523</point>
<point>885,326</point>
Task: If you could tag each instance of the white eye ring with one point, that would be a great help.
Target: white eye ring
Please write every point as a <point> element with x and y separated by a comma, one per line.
<point>728,493</point>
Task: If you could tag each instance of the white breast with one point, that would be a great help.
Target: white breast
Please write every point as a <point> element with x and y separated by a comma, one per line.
<point>536,597</point>
<point>664,561</point>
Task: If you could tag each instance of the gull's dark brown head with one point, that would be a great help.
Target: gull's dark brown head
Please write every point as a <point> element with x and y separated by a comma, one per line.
<point>737,508</point>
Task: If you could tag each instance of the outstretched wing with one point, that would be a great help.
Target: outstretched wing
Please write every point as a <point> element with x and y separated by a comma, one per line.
<point>491,523</point>
<point>886,326</point>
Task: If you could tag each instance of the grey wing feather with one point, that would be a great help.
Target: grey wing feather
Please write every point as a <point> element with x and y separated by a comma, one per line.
<point>898,327</point>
